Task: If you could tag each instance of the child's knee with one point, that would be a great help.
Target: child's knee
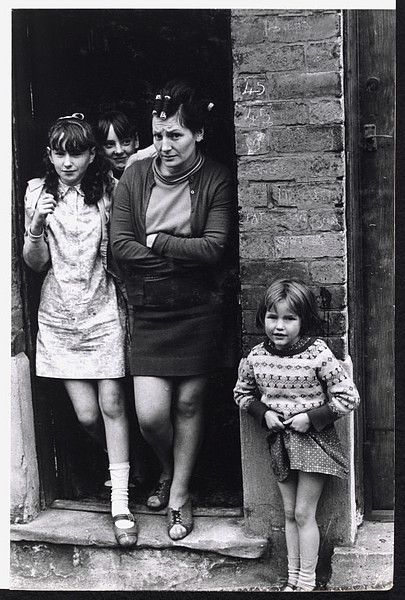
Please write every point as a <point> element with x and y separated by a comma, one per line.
<point>303,516</point>
<point>112,404</point>
<point>88,419</point>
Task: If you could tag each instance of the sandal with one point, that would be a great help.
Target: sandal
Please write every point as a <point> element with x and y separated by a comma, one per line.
<point>182,516</point>
<point>125,536</point>
<point>159,498</point>
<point>289,588</point>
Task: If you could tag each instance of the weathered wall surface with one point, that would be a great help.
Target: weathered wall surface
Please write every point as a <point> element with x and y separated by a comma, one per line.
<point>289,120</point>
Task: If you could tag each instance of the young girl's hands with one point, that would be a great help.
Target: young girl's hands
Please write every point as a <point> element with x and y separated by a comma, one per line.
<point>300,422</point>
<point>45,206</point>
<point>273,420</point>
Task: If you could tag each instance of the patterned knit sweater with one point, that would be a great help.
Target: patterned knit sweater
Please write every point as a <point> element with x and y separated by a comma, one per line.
<point>305,378</point>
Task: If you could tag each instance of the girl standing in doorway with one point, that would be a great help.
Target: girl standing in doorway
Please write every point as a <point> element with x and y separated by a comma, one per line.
<point>295,387</point>
<point>81,328</point>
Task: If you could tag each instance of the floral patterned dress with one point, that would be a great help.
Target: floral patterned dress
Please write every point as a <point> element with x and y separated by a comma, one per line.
<point>81,327</point>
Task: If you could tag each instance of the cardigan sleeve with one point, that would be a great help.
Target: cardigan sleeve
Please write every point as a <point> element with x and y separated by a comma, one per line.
<point>342,394</point>
<point>35,250</point>
<point>126,248</point>
<point>246,392</point>
<point>208,248</point>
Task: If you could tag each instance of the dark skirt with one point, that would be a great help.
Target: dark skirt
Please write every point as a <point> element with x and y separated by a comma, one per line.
<point>169,343</point>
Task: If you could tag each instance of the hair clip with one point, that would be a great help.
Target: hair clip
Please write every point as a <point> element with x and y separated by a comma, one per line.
<point>210,106</point>
<point>164,107</point>
<point>79,116</point>
<point>158,100</point>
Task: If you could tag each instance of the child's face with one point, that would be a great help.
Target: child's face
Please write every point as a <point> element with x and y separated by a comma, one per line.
<point>119,150</point>
<point>71,168</point>
<point>282,325</point>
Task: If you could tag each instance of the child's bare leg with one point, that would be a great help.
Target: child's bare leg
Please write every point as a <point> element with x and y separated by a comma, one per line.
<point>288,490</point>
<point>309,490</point>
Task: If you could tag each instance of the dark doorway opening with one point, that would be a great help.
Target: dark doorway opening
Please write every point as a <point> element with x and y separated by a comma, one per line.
<point>89,61</point>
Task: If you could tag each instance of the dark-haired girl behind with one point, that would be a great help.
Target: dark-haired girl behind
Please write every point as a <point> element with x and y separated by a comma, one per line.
<point>295,387</point>
<point>81,324</point>
<point>169,230</point>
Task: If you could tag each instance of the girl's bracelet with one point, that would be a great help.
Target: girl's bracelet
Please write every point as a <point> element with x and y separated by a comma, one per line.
<point>36,235</point>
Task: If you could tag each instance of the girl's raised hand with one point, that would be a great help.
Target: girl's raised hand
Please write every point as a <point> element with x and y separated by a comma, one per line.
<point>45,206</point>
<point>300,422</point>
<point>273,421</point>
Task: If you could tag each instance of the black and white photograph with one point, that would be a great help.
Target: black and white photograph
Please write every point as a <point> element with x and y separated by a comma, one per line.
<point>202,397</point>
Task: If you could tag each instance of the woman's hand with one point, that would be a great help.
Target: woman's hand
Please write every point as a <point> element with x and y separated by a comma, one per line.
<point>45,206</point>
<point>273,421</point>
<point>300,422</point>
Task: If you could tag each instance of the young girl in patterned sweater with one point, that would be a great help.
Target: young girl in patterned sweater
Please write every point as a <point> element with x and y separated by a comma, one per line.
<point>294,385</point>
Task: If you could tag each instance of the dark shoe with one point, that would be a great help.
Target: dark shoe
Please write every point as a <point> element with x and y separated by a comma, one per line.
<point>126,537</point>
<point>182,516</point>
<point>289,588</point>
<point>159,498</point>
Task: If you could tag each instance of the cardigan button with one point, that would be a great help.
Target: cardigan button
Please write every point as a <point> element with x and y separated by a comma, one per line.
<point>191,191</point>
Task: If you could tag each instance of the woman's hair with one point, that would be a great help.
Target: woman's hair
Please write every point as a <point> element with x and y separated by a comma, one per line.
<point>75,135</point>
<point>183,96</point>
<point>121,124</point>
<point>300,299</point>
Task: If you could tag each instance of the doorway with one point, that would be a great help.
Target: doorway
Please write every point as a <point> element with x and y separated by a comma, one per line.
<point>370,114</point>
<point>89,61</point>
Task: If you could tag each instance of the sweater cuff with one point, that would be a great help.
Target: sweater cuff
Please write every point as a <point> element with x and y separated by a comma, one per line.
<point>257,408</point>
<point>150,239</point>
<point>321,417</point>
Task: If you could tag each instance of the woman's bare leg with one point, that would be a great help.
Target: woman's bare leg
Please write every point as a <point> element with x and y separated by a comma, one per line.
<point>153,398</point>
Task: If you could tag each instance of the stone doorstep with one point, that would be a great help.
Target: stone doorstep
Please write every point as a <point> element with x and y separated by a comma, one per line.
<point>369,563</point>
<point>223,535</point>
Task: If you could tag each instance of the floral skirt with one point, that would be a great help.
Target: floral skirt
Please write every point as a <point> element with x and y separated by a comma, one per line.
<point>313,452</point>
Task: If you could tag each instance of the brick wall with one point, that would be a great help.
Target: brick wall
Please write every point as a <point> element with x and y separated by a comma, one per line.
<point>288,86</point>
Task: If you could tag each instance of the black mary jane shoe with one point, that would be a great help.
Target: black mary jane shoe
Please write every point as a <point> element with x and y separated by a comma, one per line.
<point>126,537</point>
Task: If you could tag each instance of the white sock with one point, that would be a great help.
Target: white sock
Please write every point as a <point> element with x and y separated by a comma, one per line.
<point>293,570</point>
<point>306,577</point>
<point>119,473</point>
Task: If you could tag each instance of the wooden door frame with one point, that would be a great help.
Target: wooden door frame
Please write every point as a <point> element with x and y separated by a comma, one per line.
<point>354,240</point>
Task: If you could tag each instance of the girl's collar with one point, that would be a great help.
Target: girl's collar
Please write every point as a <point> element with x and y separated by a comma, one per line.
<point>302,344</point>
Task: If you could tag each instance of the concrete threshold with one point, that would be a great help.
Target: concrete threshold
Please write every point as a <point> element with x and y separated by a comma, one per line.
<point>222,535</point>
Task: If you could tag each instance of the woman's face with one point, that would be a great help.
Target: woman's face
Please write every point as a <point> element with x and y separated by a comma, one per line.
<point>71,168</point>
<point>174,143</point>
<point>119,150</point>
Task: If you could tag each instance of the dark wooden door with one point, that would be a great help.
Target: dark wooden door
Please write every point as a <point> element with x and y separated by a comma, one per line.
<point>374,100</point>
<point>91,61</point>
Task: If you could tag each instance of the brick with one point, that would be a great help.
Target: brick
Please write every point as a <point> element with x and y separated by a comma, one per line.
<point>269,57</point>
<point>261,272</point>
<point>253,246</point>
<point>326,220</point>
<point>300,167</point>
<point>338,345</point>
<point>252,194</point>
<point>306,195</point>
<point>305,139</point>
<point>273,221</point>
<point>325,56</point>
<point>295,85</point>
<point>309,246</point>
<point>325,272</point>
<point>249,322</point>
<point>248,30</point>
<point>251,143</point>
<point>326,111</point>
<point>250,87</point>
<point>260,116</point>
<point>251,296</point>
<point>249,341</point>
<point>315,26</point>
<point>334,322</point>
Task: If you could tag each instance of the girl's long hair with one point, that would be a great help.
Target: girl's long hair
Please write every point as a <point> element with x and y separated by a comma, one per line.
<point>75,136</point>
<point>300,299</point>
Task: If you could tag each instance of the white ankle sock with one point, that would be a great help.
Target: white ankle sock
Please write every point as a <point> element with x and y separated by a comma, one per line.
<point>119,488</point>
<point>293,570</point>
<point>306,577</point>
